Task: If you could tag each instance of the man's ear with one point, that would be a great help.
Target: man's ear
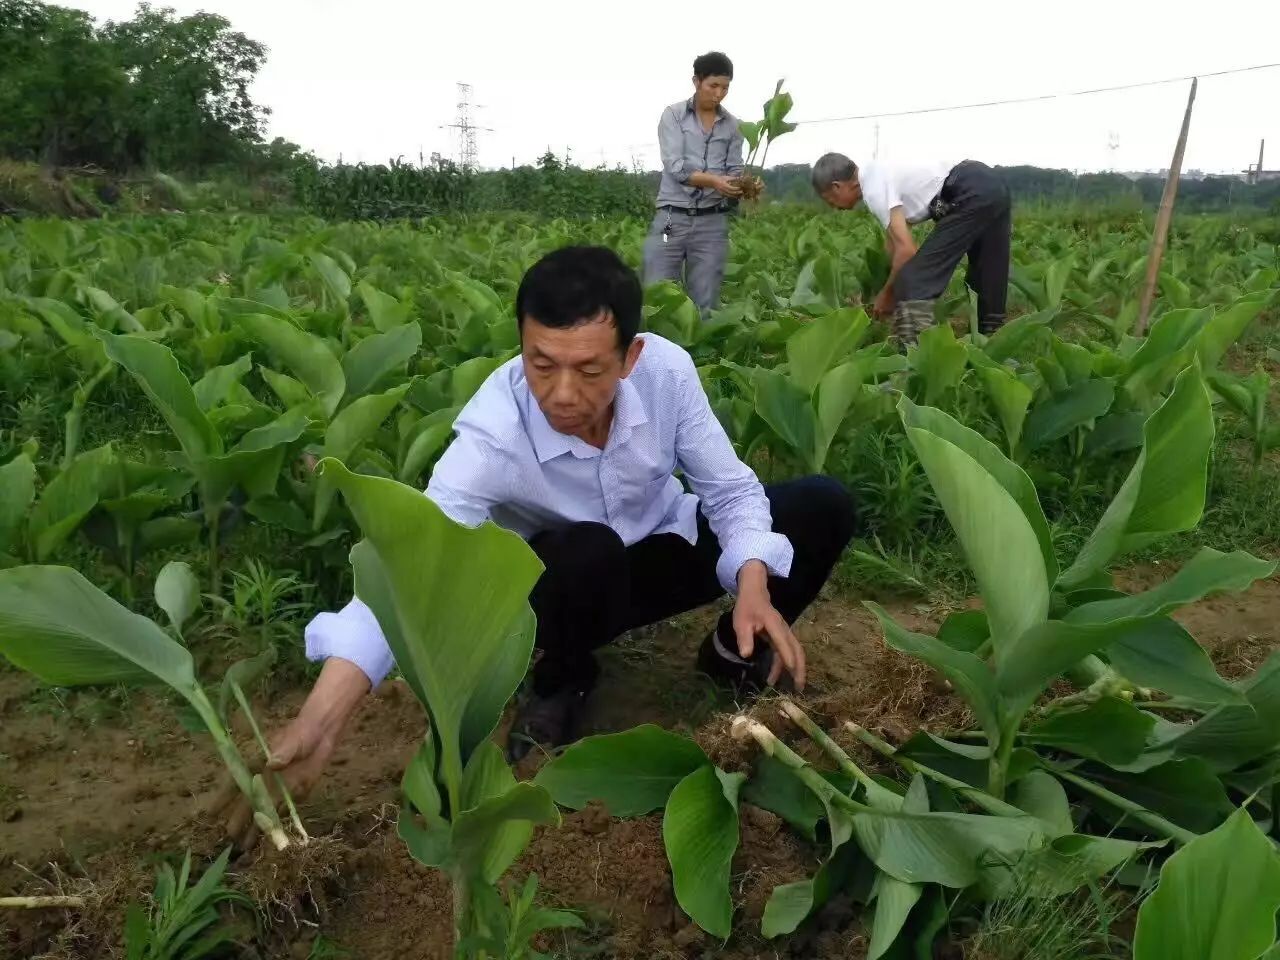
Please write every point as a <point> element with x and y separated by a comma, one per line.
<point>632,355</point>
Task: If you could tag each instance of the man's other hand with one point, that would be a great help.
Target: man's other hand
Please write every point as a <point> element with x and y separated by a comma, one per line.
<point>754,616</point>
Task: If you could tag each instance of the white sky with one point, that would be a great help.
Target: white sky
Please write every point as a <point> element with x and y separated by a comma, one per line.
<point>372,80</point>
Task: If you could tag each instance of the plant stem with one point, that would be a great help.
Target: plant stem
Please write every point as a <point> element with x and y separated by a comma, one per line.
<point>744,727</point>
<point>266,754</point>
<point>832,749</point>
<point>979,797</point>
<point>1153,820</point>
<point>998,765</point>
<point>213,518</point>
<point>41,903</point>
<point>239,770</point>
<point>75,416</point>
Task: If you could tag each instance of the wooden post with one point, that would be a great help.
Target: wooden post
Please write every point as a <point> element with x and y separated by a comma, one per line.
<point>1160,235</point>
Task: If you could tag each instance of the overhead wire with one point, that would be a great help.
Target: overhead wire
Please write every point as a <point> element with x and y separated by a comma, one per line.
<point>1041,97</point>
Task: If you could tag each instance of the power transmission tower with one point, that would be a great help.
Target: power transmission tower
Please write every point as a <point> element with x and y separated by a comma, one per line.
<point>466,127</point>
<point>1113,144</point>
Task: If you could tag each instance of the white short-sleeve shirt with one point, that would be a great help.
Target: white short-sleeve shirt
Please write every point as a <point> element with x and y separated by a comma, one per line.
<point>912,186</point>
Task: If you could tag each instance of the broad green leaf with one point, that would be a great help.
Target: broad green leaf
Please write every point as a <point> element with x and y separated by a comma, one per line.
<point>1216,900</point>
<point>1042,796</point>
<point>418,782</point>
<point>385,311</point>
<point>485,837</point>
<point>939,360</point>
<point>1111,730</point>
<point>791,903</point>
<point>632,773</point>
<point>1046,650</point>
<point>1008,474</point>
<point>999,541</point>
<point>1062,866</point>
<point>970,675</point>
<point>351,428</point>
<point>307,356</point>
<point>467,377</point>
<point>965,630</point>
<point>1115,433</point>
<point>968,762</point>
<point>212,389</point>
<point>836,393</point>
<point>377,356</point>
<point>788,410</point>
<point>430,581</point>
<point>243,674</point>
<point>944,848</point>
<point>1009,340</point>
<point>1209,571</point>
<point>430,842</point>
<point>1164,492</point>
<point>68,499</point>
<point>56,624</point>
<point>700,832</point>
<point>1010,397</point>
<point>1166,350</point>
<point>894,901</point>
<point>177,592</point>
<point>153,366</point>
<point>430,434</point>
<point>1227,326</point>
<point>17,490</point>
<point>1160,653</point>
<point>291,392</point>
<point>1078,406</point>
<point>822,344</point>
<point>335,278</point>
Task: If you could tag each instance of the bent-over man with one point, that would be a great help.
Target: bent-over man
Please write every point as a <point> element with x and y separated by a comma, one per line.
<point>970,205</point>
<point>574,445</point>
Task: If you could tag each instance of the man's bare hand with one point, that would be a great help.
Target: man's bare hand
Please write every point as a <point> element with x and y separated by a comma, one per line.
<point>728,187</point>
<point>755,616</point>
<point>301,751</point>
<point>884,304</point>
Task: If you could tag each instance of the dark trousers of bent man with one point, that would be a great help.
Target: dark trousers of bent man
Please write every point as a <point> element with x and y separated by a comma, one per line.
<point>595,588</point>
<point>975,222</point>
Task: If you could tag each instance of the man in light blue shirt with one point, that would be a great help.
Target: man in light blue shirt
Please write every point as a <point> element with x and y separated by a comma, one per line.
<point>701,166</point>
<point>574,445</point>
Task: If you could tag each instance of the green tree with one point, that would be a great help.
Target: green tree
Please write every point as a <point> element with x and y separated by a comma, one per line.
<point>61,90</point>
<point>189,77</point>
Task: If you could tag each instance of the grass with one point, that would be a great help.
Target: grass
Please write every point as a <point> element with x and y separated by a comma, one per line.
<point>1080,926</point>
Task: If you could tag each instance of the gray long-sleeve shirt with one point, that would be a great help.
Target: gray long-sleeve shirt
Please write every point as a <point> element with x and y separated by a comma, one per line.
<point>688,149</point>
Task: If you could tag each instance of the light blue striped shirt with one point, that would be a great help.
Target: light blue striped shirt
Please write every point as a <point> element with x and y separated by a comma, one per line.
<point>507,464</point>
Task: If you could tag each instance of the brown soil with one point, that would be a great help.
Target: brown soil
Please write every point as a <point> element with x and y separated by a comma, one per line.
<point>89,796</point>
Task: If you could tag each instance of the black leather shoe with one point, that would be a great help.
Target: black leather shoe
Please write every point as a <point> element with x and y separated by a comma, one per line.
<point>547,722</point>
<point>725,666</point>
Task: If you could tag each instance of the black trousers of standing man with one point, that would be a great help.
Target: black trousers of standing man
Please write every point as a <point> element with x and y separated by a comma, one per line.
<point>974,219</point>
<point>595,588</point>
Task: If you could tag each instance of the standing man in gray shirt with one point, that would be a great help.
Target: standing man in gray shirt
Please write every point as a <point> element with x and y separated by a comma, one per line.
<point>701,165</point>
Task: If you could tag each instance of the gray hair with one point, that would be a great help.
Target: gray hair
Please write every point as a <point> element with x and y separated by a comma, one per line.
<point>830,168</point>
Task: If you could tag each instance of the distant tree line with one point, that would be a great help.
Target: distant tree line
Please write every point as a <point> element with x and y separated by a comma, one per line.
<point>1039,185</point>
<point>157,92</point>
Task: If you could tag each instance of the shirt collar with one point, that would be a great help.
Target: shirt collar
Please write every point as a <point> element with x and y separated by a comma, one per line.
<point>548,443</point>
<point>721,112</point>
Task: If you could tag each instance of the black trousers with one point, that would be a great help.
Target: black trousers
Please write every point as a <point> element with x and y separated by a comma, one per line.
<point>977,223</point>
<point>595,588</point>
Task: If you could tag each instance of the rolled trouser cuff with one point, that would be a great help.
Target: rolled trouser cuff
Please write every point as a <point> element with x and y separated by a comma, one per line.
<point>989,325</point>
<point>910,318</point>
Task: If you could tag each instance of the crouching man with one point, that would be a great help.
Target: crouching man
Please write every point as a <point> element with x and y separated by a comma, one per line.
<point>574,445</point>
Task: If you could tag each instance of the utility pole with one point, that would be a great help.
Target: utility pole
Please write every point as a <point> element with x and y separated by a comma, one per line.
<point>875,152</point>
<point>466,127</point>
<point>1257,174</point>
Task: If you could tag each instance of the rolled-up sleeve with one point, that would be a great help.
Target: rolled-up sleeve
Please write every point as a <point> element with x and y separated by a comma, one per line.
<point>671,146</point>
<point>733,499</point>
<point>460,486</point>
<point>734,161</point>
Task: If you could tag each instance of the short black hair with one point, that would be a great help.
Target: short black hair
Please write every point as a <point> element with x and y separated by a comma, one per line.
<point>713,64</point>
<point>575,285</point>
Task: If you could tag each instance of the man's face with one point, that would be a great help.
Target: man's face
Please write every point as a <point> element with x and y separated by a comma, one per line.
<point>709,91</point>
<point>843,194</point>
<point>573,372</point>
